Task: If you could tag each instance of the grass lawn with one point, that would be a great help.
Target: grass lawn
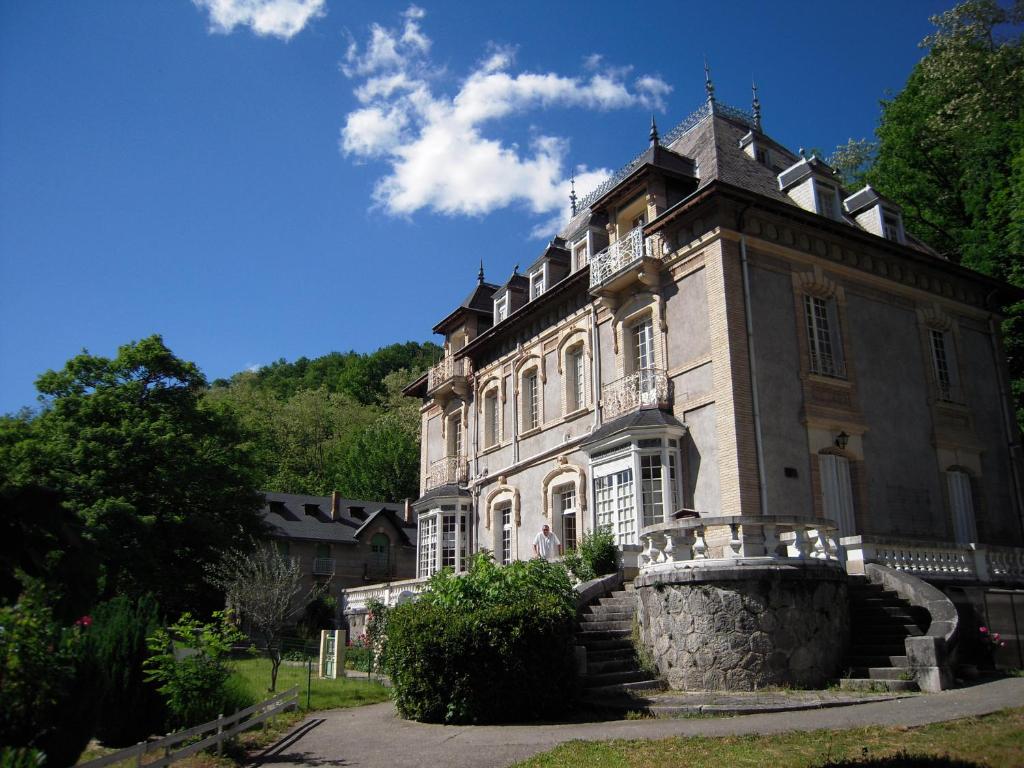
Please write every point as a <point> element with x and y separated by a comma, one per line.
<point>252,676</point>
<point>994,740</point>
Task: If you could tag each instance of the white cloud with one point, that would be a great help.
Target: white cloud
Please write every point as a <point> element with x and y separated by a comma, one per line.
<point>444,151</point>
<point>278,18</point>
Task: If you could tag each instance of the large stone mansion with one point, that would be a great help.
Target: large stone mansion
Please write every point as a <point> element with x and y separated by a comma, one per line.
<point>727,359</point>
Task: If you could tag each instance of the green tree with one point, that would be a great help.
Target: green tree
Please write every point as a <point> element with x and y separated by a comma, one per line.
<point>161,484</point>
<point>382,462</point>
<point>950,151</point>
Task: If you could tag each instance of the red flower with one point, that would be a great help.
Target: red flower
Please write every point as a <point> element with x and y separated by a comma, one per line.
<point>84,621</point>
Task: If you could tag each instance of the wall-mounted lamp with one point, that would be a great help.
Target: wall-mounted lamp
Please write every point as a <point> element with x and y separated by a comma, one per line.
<point>841,440</point>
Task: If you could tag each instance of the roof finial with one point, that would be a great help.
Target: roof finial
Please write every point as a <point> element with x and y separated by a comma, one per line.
<point>572,192</point>
<point>654,132</point>
<point>756,107</point>
<point>480,274</point>
<point>709,87</point>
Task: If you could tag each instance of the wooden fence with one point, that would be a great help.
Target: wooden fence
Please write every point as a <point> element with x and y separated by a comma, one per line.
<point>219,730</point>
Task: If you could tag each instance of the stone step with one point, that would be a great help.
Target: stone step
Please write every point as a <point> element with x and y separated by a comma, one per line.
<point>603,679</point>
<point>890,673</point>
<point>859,612</point>
<point>883,601</point>
<point>603,614</point>
<point>626,652</point>
<point>866,662</point>
<point>877,649</point>
<point>869,684</point>
<point>609,626</point>
<point>617,603</point>
<point>887,630</point>
<point>600,667</point>
<point>607,691</point>
<point>603,642</point>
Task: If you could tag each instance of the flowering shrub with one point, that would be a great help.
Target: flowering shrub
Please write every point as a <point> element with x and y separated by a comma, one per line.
<point>991,640</point>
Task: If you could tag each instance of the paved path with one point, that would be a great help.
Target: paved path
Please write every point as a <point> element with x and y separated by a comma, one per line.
<point>374,736</point>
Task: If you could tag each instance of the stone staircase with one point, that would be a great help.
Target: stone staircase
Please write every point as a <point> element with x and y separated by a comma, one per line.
<point>880,622</point>
<point>605,630</point>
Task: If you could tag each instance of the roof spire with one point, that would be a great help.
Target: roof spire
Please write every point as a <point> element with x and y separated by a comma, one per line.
<point>572,192</point>
<point>756,107</point>
<point>654,132</point>
<point>709,87</point>
<point>480,274</point>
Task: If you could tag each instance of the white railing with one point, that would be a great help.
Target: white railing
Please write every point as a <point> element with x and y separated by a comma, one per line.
<point>446,471</point>
<point>648,386</point>
<point>622,253</point>
<point>750,538</point>
<point>355,599</point>
<point>936,560</point>
<point>446,370</point>
<point>324,566</point>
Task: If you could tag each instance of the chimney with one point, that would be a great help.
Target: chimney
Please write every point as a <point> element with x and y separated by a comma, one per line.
<point>408,512</point>
<point>357,512</point>
<point>335,505</point>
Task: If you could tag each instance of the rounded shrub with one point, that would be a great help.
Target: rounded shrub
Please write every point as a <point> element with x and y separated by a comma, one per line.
<point>494,645</point>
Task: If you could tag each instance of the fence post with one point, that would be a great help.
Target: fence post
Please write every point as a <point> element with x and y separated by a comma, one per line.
<point>140,753</point>
<point>309,681</point>
<point>220,730</point>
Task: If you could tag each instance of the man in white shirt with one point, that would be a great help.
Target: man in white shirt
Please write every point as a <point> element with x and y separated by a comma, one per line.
<point>547,545</point>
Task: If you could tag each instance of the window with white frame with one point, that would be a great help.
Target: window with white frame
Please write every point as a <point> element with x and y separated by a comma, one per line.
<point>531,400</point>
<point>642,337</point>
<point>961,505</point>
<point>652,495</point>
<point>428,545</point>
<point>825,198</point>
<point>615,505</point>
<point>500,309</point>
<point>442,540</point>
<point>580,255</point>
<point>947,382</point>
<point>575,379</point>
<point>565,495</point>
<point>824,344</point>
<point>536,283</point>
<point>492,423</point>
<point>455,436</point>
<point>505,511</point>
<point>675,475</point>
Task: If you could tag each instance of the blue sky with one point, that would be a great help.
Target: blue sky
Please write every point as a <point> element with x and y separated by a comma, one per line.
<point>257,179</point>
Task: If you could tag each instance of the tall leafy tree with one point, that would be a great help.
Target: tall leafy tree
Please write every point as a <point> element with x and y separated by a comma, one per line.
<point>950,151</point>
<point>160,483</point>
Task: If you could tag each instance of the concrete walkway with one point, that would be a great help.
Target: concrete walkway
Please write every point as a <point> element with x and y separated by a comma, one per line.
<point>374,736</point>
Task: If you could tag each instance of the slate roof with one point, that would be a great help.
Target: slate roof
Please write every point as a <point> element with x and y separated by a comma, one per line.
<point>645,417</point>
<point>287,517</point>
<point>479,301</point>
<point>443,491</point>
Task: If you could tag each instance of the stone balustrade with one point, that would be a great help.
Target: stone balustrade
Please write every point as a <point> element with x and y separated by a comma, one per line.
<point>775,538</point>
<point>936,561</point>
<point>355,599</point>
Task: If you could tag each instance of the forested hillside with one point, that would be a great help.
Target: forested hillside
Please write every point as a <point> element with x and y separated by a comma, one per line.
<point>337,422</point>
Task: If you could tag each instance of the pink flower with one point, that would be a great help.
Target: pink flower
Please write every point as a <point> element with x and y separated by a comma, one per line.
<point>983,630</point>
<point>84,621</point>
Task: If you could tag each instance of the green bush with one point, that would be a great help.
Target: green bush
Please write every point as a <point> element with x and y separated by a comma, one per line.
<point>495,645</point>
<point>129,708</point>
<point>190,662</point>
<point>47,679</point>
<point>595,556</point>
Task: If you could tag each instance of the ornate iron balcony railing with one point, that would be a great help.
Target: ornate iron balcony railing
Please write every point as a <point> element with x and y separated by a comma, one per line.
<point>646,387</point>
<point>446,370</point>
<point>617,256</point>
<point>446,471</point>
<point>826,365</point>
<point>324,566</point>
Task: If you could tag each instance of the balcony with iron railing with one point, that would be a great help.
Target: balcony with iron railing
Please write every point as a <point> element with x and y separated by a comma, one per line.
<point>324,566</point>
<point>827,365</point>
<point>645,388</point>
<point>626,261</point>
<point>449,377</point>
<point>451,470</point>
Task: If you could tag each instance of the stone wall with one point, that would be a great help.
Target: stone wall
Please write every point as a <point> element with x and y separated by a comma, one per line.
<point>745,627</point>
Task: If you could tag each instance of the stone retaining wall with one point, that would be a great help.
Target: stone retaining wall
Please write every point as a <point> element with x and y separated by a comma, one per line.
<point>744,627</point>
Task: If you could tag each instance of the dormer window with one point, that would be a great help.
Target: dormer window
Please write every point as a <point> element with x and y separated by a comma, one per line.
<point>891,226</point>
<point>536,283</point>
<point>826,201</point>
<point>500,309</point>
<point>761,155</point>
<point>580,255</point>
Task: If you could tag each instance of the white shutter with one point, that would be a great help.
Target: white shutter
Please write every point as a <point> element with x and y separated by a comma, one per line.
<point>961,504</point>
<point>837,492</point>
